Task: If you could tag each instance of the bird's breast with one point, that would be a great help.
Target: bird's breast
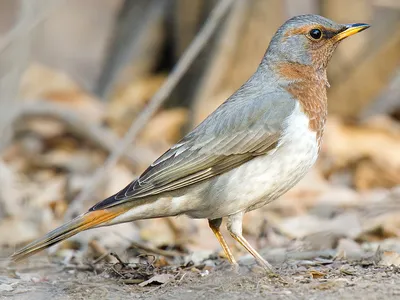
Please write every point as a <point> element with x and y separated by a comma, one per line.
<point>308,87</point>
<point>296,153</point>
<point>266,177</point>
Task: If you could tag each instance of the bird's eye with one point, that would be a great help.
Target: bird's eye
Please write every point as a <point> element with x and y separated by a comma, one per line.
<point>316,34</point>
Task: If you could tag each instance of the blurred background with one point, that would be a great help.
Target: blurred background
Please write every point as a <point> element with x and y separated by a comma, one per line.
<point>76,75</point>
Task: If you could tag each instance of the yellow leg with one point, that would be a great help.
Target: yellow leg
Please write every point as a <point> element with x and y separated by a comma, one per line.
<point>235,229</point>
<point>214,225</point>
<point>261,261</point>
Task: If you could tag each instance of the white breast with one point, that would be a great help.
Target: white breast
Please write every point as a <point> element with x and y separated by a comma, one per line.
<point>264,178</point>
<point>247,187</point>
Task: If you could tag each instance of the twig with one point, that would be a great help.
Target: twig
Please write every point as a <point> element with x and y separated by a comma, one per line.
<point>147,249</point>
<point>100,258</point>
<point>118,258</point>
<point>99,136</point>
<point>183,276</point>
<point>167,253</point>
<point>131,281</point>
<point>27,26</point>
<point>134,33</point>
<point>179,70</point>
<point>221,60</point>
<point>90,268</point>
<point>388,101</point>
<point>100,251</point>
<point>116,272</point>
<point>14,57</point>
<point>162,285</point>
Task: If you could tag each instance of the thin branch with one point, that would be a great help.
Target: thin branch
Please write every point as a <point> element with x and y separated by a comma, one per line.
<point>134,33</point>
<point>99,136</point>
<point>152,250</point>
<point>24,28</point>
<point>155,103</point>
<point>388,101</point>
<point>14,58</point>
<point>149,249</point>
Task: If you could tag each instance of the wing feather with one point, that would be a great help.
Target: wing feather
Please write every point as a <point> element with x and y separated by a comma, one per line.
<point>235,133</point>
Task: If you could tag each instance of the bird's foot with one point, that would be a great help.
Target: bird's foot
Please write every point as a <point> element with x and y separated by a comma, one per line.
<point>235,267</point>
<point>271,272</point>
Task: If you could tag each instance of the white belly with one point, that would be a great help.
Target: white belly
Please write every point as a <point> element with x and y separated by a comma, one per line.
<point>264,178</point>
<point>247,187</point>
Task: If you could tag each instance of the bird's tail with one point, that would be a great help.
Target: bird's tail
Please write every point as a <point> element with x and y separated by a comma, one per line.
<point>82,222</point>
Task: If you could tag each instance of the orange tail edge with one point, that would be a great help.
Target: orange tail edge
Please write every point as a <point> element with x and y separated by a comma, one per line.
<point>82,222</point>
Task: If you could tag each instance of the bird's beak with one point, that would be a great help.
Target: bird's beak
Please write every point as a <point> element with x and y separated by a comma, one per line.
<point>350,29</point>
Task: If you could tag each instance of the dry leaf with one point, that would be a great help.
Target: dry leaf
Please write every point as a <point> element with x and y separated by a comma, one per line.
<point>346,146</point>
<point>130,101</point>
<point>165,128</point>
<point>157,232</point>
<point>46,128</point>
<point>198,257</point>
<point>349,247</point>
<point>75,161</point>
<point>385,225</point>
<point>369,174</point>
<point>44,84</point>
<point>159,279</point>
<point>316,274</point>
<point>118,178</point>
<point>15,231</point>
<point>10,194</point>
<point>346,225</point>
<point>6,287</point>
<point>390,258</point>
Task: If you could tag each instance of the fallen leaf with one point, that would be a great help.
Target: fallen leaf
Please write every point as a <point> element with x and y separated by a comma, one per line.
<point>45,128</point>
<point>344,225</point>
<point>198,257</point>
<point>156,231</point>
<point>129,101</point>
<point>10,194</point>
<point>45,84</point>
<point>14,231</point>
<point>390,258</point>
<point>6,287</point>
<point>159,279</point>
<point>370,149</point>
<point>316,274</point>
<point>348,247</point>
<point>165,128</point>
<point>383,226</point>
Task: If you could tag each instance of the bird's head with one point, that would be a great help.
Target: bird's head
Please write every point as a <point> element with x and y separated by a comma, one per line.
<point>309,40</point>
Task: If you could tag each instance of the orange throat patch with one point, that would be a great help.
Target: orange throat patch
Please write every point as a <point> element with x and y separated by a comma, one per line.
<point>308,86</point>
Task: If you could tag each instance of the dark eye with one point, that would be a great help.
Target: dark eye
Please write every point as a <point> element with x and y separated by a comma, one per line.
<point>316,34</point>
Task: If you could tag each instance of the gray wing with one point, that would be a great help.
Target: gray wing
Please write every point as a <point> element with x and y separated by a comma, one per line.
<point>243,127</point>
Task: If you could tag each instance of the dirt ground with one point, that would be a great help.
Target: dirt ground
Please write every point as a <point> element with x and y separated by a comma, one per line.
<point>306,275</point>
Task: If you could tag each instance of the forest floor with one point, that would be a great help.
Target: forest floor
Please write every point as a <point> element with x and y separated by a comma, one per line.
<point>304,276</point>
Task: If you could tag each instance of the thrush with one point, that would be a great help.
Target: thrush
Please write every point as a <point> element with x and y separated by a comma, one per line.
<point>252,149</point>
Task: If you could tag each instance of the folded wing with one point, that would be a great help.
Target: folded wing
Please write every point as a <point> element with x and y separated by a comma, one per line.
<point>239,130</point>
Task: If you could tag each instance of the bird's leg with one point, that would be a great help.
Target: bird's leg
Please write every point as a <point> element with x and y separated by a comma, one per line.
<point>235,229</point>
<point>215,225</point>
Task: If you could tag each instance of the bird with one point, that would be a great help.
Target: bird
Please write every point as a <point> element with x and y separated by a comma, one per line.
<point>251,150</point>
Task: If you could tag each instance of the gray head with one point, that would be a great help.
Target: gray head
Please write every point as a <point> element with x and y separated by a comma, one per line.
<point>308,40</point>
